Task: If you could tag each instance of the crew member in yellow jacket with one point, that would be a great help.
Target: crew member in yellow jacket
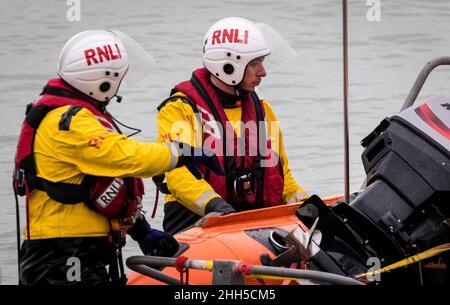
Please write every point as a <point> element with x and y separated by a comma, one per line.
<point>81,176</point>
<point>219,110</point>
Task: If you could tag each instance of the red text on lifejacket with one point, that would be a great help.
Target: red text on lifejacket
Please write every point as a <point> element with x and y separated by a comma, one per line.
<point>228,35</point>
<point>99,54</point>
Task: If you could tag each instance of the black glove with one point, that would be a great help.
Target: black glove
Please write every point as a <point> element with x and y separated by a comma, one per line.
<point>193,156</point>
<point>218,205</point>
<point>158,243</point>
<point>152,241</point>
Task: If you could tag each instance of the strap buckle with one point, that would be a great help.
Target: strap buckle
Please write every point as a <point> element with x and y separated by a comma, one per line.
<point>243,184</point>
<point>126,221</point>
<point>19,176</point>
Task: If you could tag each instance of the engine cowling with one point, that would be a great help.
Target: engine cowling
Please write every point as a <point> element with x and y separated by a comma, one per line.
<point>405,207</point>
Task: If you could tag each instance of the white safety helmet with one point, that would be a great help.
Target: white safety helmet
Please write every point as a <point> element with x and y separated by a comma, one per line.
<point>94,62</point>
<point>229,45</point>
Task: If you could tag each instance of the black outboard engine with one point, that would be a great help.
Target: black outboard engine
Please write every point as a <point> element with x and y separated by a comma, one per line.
<point>405,208</point>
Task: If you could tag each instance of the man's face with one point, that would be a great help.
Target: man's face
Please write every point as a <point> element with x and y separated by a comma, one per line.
<point>253,74</point>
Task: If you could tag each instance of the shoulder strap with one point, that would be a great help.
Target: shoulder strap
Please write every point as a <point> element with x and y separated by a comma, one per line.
<point>66,193</point>
<point>229,161</point>
<point>66,118</point>
<point>160,184</point>
<point>257,168</point>
<point>205,96</point>
<point>35,115</point>
<point>174,98</point>
<point>56,91</point>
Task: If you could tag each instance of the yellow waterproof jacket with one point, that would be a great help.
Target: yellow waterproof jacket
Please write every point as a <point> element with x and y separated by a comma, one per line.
<point>177,121</point>
<point>87,148</point>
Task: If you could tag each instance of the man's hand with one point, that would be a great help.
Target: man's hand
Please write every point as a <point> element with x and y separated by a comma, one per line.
<point>152,241</point>
<point>193,156</point>
<point>220,206</point>
<point>158,243</point>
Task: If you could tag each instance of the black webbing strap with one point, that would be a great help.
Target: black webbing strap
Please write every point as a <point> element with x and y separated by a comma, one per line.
<point>56,91</point>
<point>65,193</point>
<point>257,168</point>
<point>174,98</point>
<point>66,118</point>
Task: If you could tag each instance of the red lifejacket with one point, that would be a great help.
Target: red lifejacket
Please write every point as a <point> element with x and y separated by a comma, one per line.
<point>112,197</point>
<point>267,181</point>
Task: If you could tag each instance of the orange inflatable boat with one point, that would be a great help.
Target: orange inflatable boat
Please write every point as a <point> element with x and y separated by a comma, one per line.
<point>396,229</point>
<point>245,236</point>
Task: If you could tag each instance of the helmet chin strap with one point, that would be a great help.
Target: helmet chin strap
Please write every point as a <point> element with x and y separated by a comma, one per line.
<point>240,92</point>
<point>118,98</point>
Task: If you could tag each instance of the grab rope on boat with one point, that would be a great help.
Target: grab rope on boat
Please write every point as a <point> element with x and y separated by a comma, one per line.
<point>409,260</point>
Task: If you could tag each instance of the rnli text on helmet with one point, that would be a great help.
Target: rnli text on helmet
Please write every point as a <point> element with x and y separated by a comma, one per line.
<point>231,35</point>
<point>100,53</point>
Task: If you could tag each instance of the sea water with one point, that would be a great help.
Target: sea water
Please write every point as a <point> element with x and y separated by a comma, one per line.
<point>389,43</point>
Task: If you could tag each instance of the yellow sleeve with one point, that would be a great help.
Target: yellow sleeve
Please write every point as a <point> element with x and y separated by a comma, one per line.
<point>90,149</point>
<point>177,121</point>
<point>292,191</point>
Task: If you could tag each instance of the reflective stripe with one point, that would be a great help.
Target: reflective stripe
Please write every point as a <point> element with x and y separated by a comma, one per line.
<point>202,200</point>
<point>174,155</point>
<point>297,197</point>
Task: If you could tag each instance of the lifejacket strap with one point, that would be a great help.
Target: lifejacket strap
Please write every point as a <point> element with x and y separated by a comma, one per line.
<point>65,193</point>
<point>160,184</point>
<point>66,118</point>
<point>174,98</point>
